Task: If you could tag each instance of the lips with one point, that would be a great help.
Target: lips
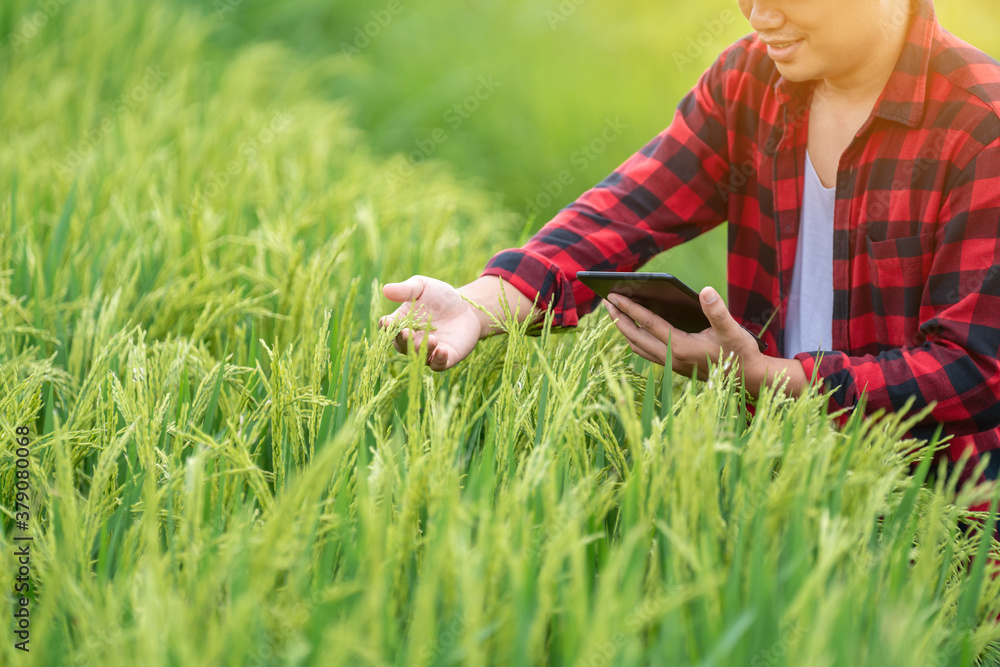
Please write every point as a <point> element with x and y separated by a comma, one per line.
<point>782,51</point>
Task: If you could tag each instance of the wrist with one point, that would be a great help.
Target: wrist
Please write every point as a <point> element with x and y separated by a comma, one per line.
<point>487,292</point>
<point>789,372</point>
<point>470,292</point>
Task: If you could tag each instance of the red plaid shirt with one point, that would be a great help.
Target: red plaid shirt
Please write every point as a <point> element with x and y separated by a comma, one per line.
<point>916,264</point>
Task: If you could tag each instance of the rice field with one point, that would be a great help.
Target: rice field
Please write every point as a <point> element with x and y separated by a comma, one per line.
<point>223,460</point>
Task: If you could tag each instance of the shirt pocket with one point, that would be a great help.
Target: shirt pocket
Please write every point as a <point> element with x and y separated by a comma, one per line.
<point>898,271</point>
<point>904,251</point>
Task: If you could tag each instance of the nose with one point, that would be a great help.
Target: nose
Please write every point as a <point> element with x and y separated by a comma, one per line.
<point>764,16</point>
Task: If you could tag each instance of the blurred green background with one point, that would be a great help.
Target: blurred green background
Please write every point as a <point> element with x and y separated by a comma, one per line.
<point>563,69</point>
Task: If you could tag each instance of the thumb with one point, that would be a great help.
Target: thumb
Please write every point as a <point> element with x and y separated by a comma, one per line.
<point>717,313</point>
<point>409,289</point>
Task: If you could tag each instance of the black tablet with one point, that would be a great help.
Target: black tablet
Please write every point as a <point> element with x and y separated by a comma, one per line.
<point>661,293</point>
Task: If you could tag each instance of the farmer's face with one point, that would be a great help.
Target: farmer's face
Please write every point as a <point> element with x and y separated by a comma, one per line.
<point>829,39</point>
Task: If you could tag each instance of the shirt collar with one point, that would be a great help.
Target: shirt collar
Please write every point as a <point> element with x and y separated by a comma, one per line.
<point>903,97</point>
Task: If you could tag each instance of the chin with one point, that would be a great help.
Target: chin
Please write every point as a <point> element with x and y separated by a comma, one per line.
<point>796,73</point>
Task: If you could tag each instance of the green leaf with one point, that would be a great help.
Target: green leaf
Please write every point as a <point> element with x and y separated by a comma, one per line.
<point>57,241</point>
<point>213,403</point>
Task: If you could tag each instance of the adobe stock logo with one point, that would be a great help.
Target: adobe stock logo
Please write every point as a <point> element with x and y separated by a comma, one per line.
<point>370,31</point>
<point>121,107</point>
<point>582,158</point>
<point>697,44</point>
<point>566,9</point>
<point>31,25</point>
<point>455,116</point>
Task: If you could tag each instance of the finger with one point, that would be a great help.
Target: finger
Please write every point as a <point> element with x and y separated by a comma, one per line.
<point>726,328</point>
<point>647,356</point>
<point>681,344</point>
<point>657,354</point>
<point>408,290</point>
<point>407,337</point>
<point>438,359</point>
<point>401,341</point>
<point>419,316</point>
<point>640,334</point>
<point>644,318</point>
<point>642,342</point>
<point>424,342</point>
<point>386,320</point>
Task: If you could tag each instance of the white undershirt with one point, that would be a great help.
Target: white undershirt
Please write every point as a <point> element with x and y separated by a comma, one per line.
<point>810,304</point>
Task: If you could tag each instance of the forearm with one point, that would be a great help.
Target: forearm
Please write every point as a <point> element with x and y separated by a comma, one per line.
<point>486,291</point>
<point>775,371</point>
<point>963,385</point>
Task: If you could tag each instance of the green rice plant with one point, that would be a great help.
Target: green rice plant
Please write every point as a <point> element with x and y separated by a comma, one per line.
<point>230,465</point>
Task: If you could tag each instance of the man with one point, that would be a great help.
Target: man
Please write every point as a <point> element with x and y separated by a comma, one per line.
<point>854,148</point>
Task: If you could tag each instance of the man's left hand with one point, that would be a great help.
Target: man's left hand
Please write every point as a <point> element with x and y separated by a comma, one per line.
<point>648,334</point>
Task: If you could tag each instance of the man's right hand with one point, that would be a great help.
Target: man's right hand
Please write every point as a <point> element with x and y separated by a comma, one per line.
<point>459,325</point>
